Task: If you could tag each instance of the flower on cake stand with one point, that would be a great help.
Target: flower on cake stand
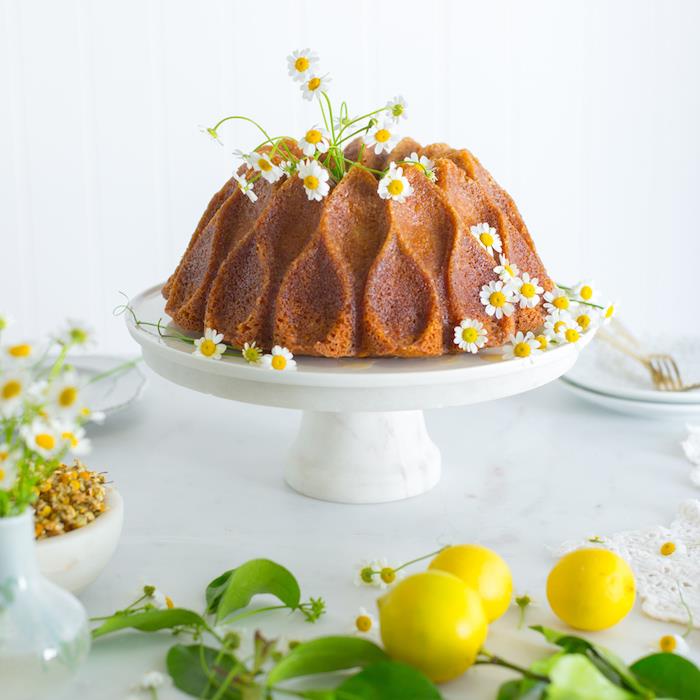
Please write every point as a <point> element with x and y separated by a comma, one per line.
<point>507,271</point>
<point>556,300</point>
<point>315,139</point>
<point>315,179</point>
<point>394,185</point>
<point>609,310</point>
<point>246,187</point>
<point>300,62</point>
<point>527,291</point>
<point>588,317</point>
<point>487,236</point>
<point>210,345</point>
<point>267,169</point>
<point>543,339</point>
<point>521,346</point>
<point>396,108</point>
<point>470,335</point>
<point>251,353</point>
<point>424,163</point>
<point>498,299</point>
<point>279,359</point>
<point>382,138</point>
<point>314,86</point>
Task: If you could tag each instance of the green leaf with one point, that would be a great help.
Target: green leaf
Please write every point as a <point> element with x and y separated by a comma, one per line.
<point>609,664</point>
<point>199,670</point>
<point>669,675</point>
<point>575,677</point>
<point>388,680</point>
<point>150,621</point>
<point>236,588</point>
<point>325,655</point>
<point>522,689</point>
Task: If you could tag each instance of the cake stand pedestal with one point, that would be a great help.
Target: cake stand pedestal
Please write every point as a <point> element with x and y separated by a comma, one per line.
<point>362,437</point>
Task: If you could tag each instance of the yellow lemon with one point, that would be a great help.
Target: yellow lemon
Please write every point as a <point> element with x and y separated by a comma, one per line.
<point>481,569</point>
<point>434,622</point>
<point>591,589</point>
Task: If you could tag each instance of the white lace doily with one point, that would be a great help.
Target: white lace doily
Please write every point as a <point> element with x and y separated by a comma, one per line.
<point>691,447</point>
<point>661,580</point>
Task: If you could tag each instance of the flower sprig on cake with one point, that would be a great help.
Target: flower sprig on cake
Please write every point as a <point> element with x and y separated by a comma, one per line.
<point>318,156</point>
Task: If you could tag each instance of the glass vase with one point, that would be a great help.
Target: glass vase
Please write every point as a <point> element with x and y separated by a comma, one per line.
<point>44,634</point>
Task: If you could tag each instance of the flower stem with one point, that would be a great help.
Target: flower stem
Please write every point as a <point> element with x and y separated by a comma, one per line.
<point>486,658</point>
<point>425,556</point>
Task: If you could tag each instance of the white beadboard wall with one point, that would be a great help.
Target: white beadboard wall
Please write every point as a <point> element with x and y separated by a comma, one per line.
<point>587,111</point>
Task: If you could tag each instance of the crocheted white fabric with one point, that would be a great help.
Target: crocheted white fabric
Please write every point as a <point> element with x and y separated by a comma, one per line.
<point>661,580</point>
<point>691,447</point>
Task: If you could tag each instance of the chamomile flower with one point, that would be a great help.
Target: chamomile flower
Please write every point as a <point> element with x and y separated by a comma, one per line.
<point>88,414</point>
<point>251,353</point>
<point>587,291</point>
<point>381,137</point>
<point>74,439</point>
<point>556,300</point>
<point>288,167</point>
<point>300,62</point>
<point>8,466</point>
<point>527,291</point>
<point>394,185</point>
<point>314,85</point>
<point>159,600</point>
<point>396,108</point>
<point>267,169</point>
<point>470,335</point>
<point>152,680</point>
<point>488,237</point>
<point>522,345</point>
<point>279,359</point>
<point>388,575</point>
<point>555,323</point>
<point>543,341</point>
<point>246,187</point>
<point>425,164</point>
<point>609,310</point>
<point>669,548</point>
<point>588,317</point>
<point>211,133</point>
<point>507,271</point>
<point>42,437</point>
<point>20,353</point>
<point>315,179</point>
<point>569,330</point>
<point>76,333</point>
<point>674,644</point>
<point>315,139</point>
<point>498,299</point>
<point>364,623</point>
<point>13,388</point>
<point>5,322</point>
<point>63,395</point>
<point>210,345</point>
<point>367,573</point>
<point>340,123</point>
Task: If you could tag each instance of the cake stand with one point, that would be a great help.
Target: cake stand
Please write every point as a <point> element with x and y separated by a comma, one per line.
<point>363,437</point>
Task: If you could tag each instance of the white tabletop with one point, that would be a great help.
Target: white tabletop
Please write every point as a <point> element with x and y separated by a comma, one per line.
<point>202,483</point>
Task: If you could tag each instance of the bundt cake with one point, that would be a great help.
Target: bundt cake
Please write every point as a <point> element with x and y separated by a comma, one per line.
<point>355,274</point>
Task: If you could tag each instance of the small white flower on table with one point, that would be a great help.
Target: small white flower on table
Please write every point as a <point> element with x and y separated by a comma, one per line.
<point>674,644</point>
<point>394,185</point>
<point>507,271</point>
<point>152,680</point>
<point>365,623</point>
<point>396,108</point>
<point>382,138</point>
<point>367,573</point>
<point>252,354</point>
<point>279,359</point>
<point>671,548</point>
<point>522,345</point>
<point>315,179</point>
<point>300,62</point>
<point>210,345</point>
<point>498,299</point>
<point>315,139</point>
<point>470,335</point>
<point>527,291</point>
<point>487,237</point>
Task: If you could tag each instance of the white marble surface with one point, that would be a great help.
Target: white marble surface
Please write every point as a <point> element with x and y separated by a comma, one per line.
<point>202,481</point>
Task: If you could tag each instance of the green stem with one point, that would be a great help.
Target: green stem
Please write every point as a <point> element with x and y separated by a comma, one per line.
<point>247,119</point>
<point>115,370</point>
<point>359,119</point>
<point>493,660</point>
<point>257,611</point>
<point>364,167</point>
<point>690,624</point>
<point>425,556</point>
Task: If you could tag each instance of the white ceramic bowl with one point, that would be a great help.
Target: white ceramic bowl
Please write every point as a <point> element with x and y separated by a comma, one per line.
<point>74,560</point>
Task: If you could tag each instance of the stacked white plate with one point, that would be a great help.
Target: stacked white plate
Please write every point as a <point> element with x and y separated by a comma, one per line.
<point>607,377</point>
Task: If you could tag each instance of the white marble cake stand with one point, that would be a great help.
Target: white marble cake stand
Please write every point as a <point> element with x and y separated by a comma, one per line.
<point>363,437</point>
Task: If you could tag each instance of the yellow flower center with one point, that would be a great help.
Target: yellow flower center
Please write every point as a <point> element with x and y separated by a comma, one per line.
<point>395,188</point>
<point>572,335</point>
<point>279,362</point>
<point>313,136</point>
<point>584,320</point>
<point>71,438</point>
<point>67,397</point>
<point>302,64</point>
<point>314,83</point>
<point>367,574</point>
<point>2,475</point>
<point>169,602</point>
<point>207,347</point>
<point>668,643</point>
<point>527,290</point>
<point>522,350</point>
<point>11,389</point>
<point>78,335</point>
<point>470,335</point>
<point>610,311</point>
<point>509,270</point>
<point>388,575</point>
<point>497,299</point>
<point>45,441</point>
<point>23,350</point>
<point>667,549</point>
<point>382,135</point>
<point>586,293</point>
<point>4,454</point>
<point>561,302</point>
<point>264,165</point>
<point>486,239</point>
<point>558,326</point>
<point>397,109</point>
<point>363,623</point>
<point>310,182</point>
<point>543,341</point>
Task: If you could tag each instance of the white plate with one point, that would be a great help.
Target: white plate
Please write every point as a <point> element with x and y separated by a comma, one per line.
<point>647,409</point>
<point>606,370</point>
<point>113,393</point>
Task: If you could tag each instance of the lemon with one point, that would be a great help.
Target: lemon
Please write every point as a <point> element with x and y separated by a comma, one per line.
<point>434,622</point>
<point>481,569</point>
<point>591,589</point>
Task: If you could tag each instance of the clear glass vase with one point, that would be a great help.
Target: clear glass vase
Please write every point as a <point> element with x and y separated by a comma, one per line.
<point>44,634</point>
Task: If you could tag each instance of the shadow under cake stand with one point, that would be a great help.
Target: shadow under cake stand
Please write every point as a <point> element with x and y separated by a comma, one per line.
<point>362,437</point>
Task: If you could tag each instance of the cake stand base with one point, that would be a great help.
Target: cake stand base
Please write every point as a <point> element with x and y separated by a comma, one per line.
<point>356,457</point>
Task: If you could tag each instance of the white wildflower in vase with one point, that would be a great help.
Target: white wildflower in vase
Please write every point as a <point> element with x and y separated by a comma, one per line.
<point>382,138</point>
<point>14,385</point>
<point>396,108</point>
<point>315,179</point>
<point>300,62</point>
<point>315,139</point>
<point>314,86</point>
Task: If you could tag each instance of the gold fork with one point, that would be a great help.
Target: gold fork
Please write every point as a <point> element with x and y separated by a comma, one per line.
<point>661,366</point>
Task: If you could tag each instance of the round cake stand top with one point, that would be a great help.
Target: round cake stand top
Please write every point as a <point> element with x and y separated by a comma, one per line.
<point>354,384</point>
